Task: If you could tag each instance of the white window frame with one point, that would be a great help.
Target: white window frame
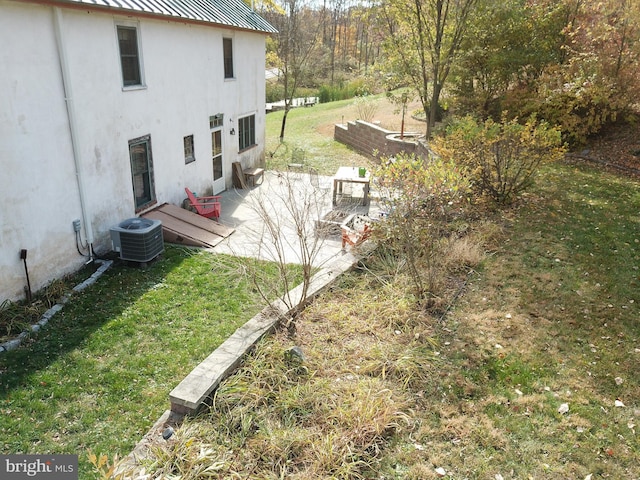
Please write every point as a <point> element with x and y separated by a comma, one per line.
<point>243,132</point>
<point>136,27</point>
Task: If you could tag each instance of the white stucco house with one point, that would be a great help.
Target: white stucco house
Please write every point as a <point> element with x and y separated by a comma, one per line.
<point>109,108</point>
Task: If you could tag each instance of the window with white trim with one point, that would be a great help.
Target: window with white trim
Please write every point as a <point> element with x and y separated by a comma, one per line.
<point>128,44</point>
<point>246,132</point>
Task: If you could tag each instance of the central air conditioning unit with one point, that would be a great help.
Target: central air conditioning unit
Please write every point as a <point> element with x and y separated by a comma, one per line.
<point>138,239</point>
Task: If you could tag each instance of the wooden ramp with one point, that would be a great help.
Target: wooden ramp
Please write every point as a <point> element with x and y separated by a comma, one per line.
<point>183,227</point>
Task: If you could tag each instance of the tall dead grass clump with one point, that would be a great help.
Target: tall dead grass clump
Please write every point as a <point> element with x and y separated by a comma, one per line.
<point>279,418</point>
<point>462,253</point>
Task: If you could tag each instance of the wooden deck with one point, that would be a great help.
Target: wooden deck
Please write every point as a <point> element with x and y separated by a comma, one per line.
<point>183,227</point>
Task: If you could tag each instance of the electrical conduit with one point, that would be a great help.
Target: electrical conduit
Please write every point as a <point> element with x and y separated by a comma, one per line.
<point>68,97</point>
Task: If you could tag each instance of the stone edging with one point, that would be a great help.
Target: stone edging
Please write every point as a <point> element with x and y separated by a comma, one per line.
<point>46,316</point>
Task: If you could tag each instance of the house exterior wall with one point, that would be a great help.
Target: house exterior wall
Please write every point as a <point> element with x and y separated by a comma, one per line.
<point>184,81</point>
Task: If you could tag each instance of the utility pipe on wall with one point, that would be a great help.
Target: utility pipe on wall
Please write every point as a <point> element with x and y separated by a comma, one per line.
<point>68,97</point>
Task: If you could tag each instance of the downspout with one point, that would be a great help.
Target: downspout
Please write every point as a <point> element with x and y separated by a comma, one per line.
<point>68,98</point>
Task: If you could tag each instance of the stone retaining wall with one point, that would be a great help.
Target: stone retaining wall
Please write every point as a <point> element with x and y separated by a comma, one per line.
<point>374,141</point>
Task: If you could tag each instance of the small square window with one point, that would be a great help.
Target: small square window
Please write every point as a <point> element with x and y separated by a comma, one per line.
<point>216,121</point>
<point>189,155</point>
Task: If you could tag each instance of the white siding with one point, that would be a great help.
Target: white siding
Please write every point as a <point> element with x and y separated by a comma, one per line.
<point>183,72</point>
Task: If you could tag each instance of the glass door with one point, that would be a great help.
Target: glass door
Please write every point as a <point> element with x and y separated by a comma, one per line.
<point>216,157</point>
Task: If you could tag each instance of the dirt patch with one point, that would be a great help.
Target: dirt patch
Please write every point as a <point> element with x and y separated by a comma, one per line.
<point>617,148</point>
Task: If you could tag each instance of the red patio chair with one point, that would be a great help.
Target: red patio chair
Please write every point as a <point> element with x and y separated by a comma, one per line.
<point>208,207</point>
<point>355,237</point>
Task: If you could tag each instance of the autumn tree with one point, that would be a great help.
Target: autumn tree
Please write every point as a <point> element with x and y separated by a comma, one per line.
<point>296,40</point>
<point>572,63</point>
<point>598,82</point>
<point>423,39</point>
<point>507,47</point>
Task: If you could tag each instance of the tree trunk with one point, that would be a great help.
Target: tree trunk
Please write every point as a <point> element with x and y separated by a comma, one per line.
<point>284,120</point>
<point>433,108</point>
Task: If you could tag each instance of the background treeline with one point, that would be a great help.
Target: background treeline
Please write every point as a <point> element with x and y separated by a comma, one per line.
<point>573,63</point>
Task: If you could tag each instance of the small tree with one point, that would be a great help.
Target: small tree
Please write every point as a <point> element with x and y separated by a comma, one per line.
<point>297,39</point>
<point>401,98</point>
<point>286,234</point>
<point>422,42</point>
<point>423,199</point>
<point>502,158</point>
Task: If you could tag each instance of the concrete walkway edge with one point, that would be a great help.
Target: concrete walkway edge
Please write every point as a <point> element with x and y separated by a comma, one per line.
<point>196,388</point>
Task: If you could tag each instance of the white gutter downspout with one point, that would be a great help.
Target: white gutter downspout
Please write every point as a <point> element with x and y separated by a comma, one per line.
<point>68,97</point>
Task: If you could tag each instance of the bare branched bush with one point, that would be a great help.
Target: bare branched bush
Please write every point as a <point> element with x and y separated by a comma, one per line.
<point>423,198</point>
<point>366,107</point>
<point>500,158</point>
<point>288,212</point>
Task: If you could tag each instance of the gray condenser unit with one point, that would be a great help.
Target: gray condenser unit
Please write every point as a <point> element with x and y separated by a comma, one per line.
<point>138,239</point>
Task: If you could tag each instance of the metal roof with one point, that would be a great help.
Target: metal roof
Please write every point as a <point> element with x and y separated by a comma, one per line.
<point>229,13</point>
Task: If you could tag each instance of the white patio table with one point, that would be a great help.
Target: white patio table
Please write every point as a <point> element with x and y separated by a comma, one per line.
<point>350,175</point>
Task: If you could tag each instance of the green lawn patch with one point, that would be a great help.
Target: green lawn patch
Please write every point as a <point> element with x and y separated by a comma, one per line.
<point>99,375</point>
<point>311,129</point>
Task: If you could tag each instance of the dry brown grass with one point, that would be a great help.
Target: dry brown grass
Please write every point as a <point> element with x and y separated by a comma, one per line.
<point>389,391</point>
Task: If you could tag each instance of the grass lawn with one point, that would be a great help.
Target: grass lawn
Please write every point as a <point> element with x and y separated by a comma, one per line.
<point>551,319</point>
<point>99,375</point>
<point>311,129</point>
<point>531,374</point>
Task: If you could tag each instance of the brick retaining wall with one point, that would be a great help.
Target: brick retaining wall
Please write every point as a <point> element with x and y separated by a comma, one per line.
<point>375,141</point>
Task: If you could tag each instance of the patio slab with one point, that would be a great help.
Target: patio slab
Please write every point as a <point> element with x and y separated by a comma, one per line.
<point>241,211</point>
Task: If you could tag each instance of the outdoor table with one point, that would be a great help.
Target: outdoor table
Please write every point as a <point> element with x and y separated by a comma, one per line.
<point>350,175</point>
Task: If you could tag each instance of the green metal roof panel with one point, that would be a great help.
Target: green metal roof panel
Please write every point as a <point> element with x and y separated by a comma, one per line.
<point>230,13</point>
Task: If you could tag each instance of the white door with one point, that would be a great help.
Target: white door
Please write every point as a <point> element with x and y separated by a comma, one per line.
<point>216,159</point>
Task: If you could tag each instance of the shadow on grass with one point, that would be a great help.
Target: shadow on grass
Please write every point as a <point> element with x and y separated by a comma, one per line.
<point>99,375</point>
<point>83,315</point>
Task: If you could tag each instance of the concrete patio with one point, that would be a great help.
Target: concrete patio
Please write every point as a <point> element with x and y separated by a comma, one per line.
<point>282,196</point>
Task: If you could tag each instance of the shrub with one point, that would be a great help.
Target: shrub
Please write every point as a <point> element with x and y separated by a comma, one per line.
<point>366,107</point>
<point>581,107</point>
<point>343,91</point>
<point>274,92</point>
<point>500,159</point>
<point>423,199</point>
<point>580,96</point>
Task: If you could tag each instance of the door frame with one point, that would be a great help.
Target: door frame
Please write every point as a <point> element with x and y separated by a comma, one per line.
<point>216,128</point>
